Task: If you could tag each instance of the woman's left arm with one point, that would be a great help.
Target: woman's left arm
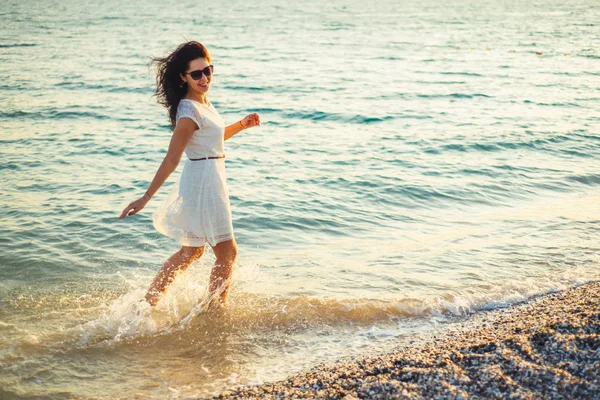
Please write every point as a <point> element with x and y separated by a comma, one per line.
<point>248,121</point>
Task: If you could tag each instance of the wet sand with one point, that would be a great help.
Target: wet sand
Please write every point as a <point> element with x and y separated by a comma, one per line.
<point>546,348</point>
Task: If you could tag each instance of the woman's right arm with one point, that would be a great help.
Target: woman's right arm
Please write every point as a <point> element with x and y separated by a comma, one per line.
<point>183,132</point>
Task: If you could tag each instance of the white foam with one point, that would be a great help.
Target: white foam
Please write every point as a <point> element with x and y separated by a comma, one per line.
<point>507,293</point>
<point>131,316</point>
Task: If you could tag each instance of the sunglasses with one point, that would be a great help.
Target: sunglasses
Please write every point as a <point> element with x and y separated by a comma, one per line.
<point>197,74</point>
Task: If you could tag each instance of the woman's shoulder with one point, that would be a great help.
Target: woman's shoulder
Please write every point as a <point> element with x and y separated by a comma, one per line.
<point>194,103</point>
<point>188,106</point>
<point>185,104</point>
<point>195,107</point>
<point>188,109</point>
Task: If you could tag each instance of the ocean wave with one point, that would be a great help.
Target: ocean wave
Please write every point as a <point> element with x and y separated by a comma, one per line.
<point>51,113</point>
<point>568,104</point>
<point>547,143</point>
<point>79,85</point>
<point>10,165</point>
<point>423,196</point>
<point>247,88</point>
<point>184,308</point>
<point>460,73</point>
<point>337,117</point>
<point>5,46</point>
<point>453,95</point>
<point>586,179</point>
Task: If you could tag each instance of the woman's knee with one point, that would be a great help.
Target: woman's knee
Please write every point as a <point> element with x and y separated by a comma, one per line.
<point>233,252</point>
<point>192,253</point>
<point>226,252</point>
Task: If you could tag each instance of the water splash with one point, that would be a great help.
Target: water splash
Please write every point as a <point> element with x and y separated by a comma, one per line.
<point>131,316</point>
<point>183,309</point>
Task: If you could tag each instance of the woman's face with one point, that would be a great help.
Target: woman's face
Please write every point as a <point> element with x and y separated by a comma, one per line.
<point>200,85</point>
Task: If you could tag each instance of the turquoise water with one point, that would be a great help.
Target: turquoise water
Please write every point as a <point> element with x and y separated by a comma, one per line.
<point>416,162</point>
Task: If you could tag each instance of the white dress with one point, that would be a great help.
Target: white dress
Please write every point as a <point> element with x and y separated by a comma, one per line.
<point>197,210</point>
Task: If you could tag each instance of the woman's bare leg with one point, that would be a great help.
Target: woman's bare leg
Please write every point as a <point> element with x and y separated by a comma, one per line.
<point>226,253</point>
<point>180,260</point>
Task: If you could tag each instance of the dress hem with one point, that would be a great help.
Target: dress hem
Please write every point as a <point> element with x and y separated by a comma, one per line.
<point>188,243</point>
<point>203,244</point>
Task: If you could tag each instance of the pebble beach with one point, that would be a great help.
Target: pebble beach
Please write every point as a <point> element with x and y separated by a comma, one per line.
<point>545,348</point>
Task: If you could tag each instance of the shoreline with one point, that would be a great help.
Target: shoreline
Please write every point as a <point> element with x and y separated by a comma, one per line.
<point>546,347</point>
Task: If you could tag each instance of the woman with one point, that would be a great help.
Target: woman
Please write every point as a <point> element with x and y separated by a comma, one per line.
<point>197,211</point>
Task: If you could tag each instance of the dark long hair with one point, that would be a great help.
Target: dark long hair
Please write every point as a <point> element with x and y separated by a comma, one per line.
<point>169,91</point>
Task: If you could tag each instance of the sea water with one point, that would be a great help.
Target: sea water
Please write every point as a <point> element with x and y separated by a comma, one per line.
<point>416,162</point>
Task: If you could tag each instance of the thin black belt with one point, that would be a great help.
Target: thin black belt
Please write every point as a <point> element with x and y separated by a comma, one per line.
<point>207,158</point>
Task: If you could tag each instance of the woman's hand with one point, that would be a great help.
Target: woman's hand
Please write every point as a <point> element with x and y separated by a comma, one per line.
<point>251,120</point>
<point>135,206</point>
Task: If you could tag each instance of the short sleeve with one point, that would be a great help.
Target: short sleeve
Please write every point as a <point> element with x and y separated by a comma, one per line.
<point>188,110</point>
